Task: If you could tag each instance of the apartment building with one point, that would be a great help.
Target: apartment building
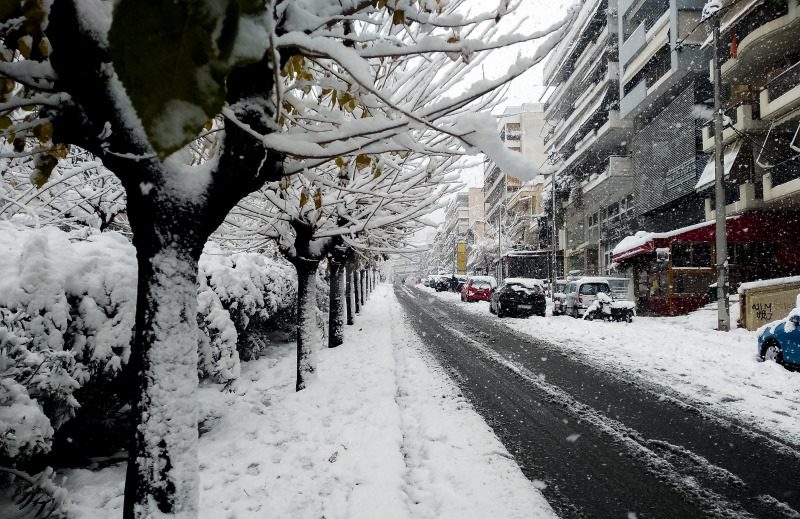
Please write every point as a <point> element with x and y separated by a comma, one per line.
<point>587,136</point>
<point>452,236</point>
<point>675,197</point>
<point>520,129</point>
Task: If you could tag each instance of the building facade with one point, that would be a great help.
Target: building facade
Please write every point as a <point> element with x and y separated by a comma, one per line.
<point>587,138</point>
<point>673,263</point>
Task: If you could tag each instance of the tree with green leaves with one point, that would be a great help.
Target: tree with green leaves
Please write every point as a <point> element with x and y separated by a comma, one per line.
<point>135,82</point>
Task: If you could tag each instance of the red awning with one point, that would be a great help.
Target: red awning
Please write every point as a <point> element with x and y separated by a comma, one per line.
<point>754,226</point>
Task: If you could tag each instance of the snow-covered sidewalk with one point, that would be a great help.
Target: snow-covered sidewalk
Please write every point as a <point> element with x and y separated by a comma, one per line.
<point>382,432</point>
<point>685,355</point>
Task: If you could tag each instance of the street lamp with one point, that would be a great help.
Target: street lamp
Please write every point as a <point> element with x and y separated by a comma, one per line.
<point>712,13</point>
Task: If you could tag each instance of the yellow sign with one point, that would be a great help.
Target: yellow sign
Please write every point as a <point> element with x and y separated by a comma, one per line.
<point>461,258</point>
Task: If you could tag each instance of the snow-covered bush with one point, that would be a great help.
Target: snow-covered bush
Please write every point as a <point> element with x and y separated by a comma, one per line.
<point>258,291</point>
<point>67,308</point>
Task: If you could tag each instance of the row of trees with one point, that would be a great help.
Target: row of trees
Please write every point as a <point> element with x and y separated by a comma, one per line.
<point>331,127</point>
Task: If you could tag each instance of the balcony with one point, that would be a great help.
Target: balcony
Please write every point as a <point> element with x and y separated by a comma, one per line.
<point>651,41</point>
<point>585,106</point>
<point>743,118</point>
<point>633,99</point>
<point>765,34</point>
<point>747,202</point>
<point>590,15</point>
<point>635,43</point>
<point>593,54</point>
<point>788,191</point>
<point>607,137</point>
<point>782,94</point>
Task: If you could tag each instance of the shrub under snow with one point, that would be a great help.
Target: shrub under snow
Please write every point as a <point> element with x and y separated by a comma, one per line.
<point>67,310</point>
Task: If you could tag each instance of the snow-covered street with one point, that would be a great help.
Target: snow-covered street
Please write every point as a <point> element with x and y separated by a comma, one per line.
<point>685,356</point>
<point>382,432</point>
<point>606,439</point>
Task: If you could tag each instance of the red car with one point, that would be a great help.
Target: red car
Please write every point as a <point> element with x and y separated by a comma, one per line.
<point>478,288</point>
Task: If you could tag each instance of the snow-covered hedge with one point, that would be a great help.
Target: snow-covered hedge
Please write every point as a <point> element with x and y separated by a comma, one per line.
<point>67,310</point>
<point>255,290</point>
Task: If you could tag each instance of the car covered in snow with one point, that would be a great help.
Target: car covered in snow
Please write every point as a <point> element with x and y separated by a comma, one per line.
<point>580,293</point>
<point>519,296</point>
<point>478,288</point>
<point>779,341</point>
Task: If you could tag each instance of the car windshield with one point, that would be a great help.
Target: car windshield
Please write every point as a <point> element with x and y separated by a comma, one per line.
<point>590,289</point>
<point>482,285</point>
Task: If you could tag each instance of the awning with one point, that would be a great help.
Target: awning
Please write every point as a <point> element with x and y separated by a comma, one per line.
<point>750,227</point>
<point>728,158</point>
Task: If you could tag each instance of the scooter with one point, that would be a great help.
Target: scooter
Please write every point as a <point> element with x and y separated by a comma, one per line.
<point>604,307</point>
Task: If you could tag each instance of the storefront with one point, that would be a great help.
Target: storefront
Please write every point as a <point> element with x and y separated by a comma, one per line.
<point>672,271</point>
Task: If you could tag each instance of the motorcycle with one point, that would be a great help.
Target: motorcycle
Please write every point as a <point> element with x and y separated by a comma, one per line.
<point>605,308</point>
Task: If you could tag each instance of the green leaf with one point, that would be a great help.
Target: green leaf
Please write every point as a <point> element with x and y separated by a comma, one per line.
<point>171,65</point>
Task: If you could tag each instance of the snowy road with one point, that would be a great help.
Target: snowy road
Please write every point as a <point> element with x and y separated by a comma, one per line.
<point>605,445</point>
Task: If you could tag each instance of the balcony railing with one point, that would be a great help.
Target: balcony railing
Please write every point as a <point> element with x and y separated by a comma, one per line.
<point>787,80</point>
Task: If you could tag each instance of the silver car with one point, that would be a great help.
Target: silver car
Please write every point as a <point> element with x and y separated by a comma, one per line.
<point>580,293</point>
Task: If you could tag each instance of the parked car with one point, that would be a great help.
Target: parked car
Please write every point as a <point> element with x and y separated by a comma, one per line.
<point>559,297</point>
<point>779,341</point>
<point>580,293</point>
<point>442,283</point>
<point>478,288</point>
<point>518,296</point>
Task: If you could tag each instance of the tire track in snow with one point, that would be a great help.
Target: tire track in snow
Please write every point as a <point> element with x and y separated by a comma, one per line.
<point>679,468</point>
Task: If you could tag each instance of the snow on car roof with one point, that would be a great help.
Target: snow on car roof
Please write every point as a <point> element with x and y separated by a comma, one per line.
<point>526,282</point>
<point>591,279</point>
<point>490,279</point>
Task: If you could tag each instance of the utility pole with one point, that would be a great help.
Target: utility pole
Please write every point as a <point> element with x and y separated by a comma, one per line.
<point>712,12</point>
<point>554,237</point>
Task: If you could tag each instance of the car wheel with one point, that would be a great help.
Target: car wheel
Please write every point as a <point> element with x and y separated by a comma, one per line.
<point>629,317</point>
<point>773,353</point>
<point>574,312</point>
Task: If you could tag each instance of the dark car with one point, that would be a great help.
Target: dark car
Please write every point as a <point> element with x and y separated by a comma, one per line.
<point>518,296</point>
<point>442,284</point>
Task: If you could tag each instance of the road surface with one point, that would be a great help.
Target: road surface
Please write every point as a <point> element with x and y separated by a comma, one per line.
<point>604,446</point>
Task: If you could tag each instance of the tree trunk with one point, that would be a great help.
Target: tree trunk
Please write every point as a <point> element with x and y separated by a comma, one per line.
<point>162,477</point>
<point>357,288</point>
<point>350,294</point>
<point>363,284</point>
<point>336,305</point>
<point>309,335</point>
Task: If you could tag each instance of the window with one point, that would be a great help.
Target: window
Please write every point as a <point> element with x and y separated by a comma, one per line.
<point>594,219</point>
<point>691,255</point>
<point>690,282</point>
<point>591,289</point>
